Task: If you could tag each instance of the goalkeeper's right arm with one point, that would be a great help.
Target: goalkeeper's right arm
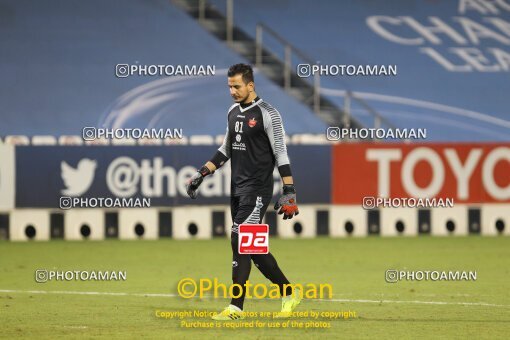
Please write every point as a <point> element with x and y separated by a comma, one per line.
<point>220,157</point>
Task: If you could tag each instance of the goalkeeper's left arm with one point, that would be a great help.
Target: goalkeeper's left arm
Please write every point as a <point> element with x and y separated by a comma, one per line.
<point>273,125</point>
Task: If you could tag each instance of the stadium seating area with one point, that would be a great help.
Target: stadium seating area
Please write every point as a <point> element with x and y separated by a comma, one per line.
<point>58,71</point>
<point>72,84</point>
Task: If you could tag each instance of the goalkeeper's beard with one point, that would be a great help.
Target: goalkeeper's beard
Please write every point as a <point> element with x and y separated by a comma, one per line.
<point>242,100</point>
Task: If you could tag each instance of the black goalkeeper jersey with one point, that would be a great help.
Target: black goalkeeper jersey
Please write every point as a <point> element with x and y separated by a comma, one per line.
<point>255,143</point>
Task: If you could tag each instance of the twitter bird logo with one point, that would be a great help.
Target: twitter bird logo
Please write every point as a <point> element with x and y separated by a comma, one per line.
<point>77,180</point>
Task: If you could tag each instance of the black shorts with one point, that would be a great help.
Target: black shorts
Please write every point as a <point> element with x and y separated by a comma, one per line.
<point>249,209</point>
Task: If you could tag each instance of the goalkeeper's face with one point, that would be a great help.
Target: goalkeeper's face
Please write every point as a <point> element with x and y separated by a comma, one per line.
<point>239,91</point>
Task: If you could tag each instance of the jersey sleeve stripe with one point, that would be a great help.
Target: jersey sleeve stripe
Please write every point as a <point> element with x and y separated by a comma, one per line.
<point>274,129</point>
<point>225,148</point>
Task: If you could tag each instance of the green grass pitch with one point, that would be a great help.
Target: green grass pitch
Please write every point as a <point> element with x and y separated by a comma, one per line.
<point>354,267</point>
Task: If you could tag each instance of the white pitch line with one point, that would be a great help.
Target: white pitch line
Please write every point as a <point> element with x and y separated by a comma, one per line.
<point>66,292</point>
<point>63,292</point>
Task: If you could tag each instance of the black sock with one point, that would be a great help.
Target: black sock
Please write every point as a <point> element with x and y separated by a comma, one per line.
<point>268,266</point>
<point>241,267</point>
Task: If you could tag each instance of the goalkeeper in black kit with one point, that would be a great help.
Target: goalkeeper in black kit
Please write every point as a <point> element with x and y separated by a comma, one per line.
<point>254,143</point>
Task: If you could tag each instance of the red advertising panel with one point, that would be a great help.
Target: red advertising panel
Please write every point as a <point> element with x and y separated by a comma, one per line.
<point>466,172</point>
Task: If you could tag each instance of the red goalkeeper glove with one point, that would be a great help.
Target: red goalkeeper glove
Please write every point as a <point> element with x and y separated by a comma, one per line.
<point>287,202</point>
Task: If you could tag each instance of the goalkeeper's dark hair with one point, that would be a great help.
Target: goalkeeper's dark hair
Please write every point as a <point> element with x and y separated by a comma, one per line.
<point>244,69</point>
